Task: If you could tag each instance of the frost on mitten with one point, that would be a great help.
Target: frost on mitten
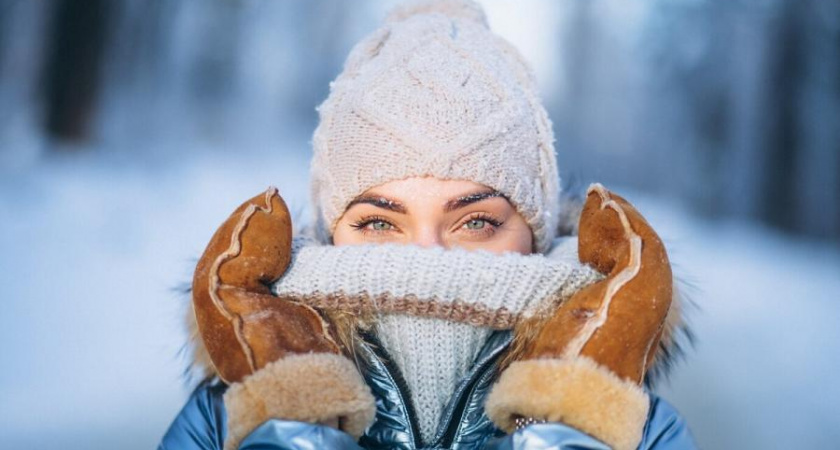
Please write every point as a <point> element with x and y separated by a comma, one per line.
<point>280,357</point>
<point>586,364</point>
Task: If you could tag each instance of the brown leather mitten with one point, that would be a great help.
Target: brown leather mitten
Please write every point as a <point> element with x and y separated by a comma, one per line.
<point>279,357</point>
<point>586,365</point>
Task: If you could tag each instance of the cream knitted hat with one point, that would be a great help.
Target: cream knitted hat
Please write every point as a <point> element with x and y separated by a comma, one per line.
<point>434,92</point>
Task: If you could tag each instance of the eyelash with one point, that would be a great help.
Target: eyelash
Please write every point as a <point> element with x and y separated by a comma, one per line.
<point>483,216</point>
<point>361,225</point>
<point>495,224</point>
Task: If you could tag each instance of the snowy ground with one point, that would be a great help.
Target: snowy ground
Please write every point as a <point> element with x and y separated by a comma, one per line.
<point>95,247</point>
<point>763,372</point>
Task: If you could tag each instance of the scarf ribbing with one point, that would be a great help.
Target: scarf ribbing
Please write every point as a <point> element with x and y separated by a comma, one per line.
<point>433,308</point>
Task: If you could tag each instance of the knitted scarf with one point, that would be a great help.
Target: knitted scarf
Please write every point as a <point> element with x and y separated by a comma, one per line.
<point>433,308</point>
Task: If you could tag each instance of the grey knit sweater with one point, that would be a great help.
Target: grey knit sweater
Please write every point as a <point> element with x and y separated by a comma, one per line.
<point>434,308</point>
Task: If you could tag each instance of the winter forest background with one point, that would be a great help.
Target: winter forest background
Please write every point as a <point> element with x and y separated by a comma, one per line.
<point>129,129</point>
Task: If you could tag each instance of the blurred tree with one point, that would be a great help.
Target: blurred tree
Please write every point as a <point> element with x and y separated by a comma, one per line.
<point>733,106</point>
<point>781,138</point>
<point>73,67</point>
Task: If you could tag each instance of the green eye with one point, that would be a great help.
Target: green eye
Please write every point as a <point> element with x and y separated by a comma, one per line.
<point>380,225</point>
<point>475,224</point>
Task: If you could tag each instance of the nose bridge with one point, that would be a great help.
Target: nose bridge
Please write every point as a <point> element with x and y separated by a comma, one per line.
<point>428,236</point>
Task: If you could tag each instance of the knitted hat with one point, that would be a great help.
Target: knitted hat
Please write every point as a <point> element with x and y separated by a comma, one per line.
<point>434,92</point>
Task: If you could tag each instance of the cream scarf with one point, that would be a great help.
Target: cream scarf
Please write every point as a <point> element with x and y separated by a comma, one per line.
<point>434,308</point>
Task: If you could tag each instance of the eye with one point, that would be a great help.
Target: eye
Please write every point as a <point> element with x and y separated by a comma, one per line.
<point>380,225</point>
<point>373,224</point>
<point>475,224</point>
<point>480,225</point>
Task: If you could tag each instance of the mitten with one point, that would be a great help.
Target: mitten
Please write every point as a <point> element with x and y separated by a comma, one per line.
<point>280,357</point>
<point>586,364</point>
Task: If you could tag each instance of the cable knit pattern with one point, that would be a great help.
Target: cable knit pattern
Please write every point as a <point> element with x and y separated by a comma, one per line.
<point>433,346</point>
<point>435,93</point>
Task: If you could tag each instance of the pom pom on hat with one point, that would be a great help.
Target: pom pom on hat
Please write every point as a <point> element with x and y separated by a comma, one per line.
<point>454,9</point>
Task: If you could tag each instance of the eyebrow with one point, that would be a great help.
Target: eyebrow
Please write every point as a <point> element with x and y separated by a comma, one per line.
<point>469,199</point>
<point>380,202</point>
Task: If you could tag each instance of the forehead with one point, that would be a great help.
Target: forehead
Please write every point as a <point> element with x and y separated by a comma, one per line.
<point>427,189</point>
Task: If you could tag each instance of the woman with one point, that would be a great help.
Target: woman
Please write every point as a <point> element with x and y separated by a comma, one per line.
<point>487,330</point>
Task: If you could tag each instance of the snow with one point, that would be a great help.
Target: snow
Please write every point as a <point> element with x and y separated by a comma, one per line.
<point>96,248</point>
<point>763,370</point>
<point>99,240</point>
<point>95,252</point>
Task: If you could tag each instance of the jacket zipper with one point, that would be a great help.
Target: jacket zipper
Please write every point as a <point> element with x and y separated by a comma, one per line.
<point>465,395</point>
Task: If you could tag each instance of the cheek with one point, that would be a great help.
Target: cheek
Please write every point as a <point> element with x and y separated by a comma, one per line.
<point>513,236</point>
<point>518,237</point>
<point>518,240</point>
<point>344,235</point>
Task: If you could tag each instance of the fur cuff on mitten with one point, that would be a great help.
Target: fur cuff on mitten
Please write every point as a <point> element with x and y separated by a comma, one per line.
<point>314,387</point>
<point>586,363</point>
<point>577,392</point>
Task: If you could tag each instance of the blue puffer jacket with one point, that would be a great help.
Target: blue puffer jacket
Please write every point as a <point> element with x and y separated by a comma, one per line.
<point>201,424</point>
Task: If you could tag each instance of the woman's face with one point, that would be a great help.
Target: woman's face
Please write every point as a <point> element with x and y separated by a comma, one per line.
<point>429,212</point>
